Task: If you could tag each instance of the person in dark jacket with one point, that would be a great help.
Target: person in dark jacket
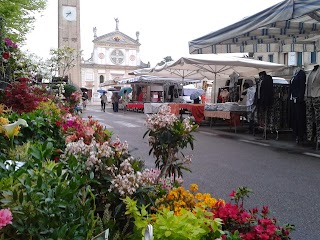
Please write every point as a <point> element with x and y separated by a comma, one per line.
<point>266,91</point>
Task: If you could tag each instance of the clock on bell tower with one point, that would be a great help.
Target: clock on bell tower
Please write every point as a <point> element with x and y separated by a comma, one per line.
<point>69,33</point>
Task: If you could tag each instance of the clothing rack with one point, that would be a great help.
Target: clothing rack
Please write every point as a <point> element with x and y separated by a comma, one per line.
<point>277,117</point>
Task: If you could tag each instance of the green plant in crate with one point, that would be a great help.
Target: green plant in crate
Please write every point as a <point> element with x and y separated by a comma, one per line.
<point>48,200</point>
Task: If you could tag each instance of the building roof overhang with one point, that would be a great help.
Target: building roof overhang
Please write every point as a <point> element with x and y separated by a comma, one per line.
<point>288,23</point>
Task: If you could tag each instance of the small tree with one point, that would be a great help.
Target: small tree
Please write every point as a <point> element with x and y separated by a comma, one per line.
<point>18,16</point>
<point>62,60</point>
<point>167,136</point>
<point>166,59</point>
<point>29,65</point>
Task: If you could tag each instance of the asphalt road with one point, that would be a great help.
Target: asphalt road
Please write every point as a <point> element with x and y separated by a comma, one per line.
<point>281,175</point>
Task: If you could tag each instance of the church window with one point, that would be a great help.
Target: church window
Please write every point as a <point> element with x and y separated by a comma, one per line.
<point>101,78</point>
<point>117,56</point>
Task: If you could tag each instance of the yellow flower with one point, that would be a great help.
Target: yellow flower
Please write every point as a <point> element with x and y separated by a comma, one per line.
<point>3,120</point>
<point>194,187</point>
<point>12,129</point>
<point>2,108</point>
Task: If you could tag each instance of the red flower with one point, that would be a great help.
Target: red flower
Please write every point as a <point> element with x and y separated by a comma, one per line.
<point>6,55</point>
<point>233,193</point>
<point>265,210</point>
<point>264,236</point>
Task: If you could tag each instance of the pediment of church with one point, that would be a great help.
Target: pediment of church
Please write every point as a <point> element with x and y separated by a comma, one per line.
<point>116,37</point>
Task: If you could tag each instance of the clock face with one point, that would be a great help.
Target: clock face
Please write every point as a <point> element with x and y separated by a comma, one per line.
<point>69,13</point>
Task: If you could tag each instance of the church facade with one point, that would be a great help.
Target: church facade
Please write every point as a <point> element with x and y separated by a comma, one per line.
<point>114,56</point>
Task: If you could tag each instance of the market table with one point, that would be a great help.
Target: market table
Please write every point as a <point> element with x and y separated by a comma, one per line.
<point>135,106</point>
<point>233,116</point>
<point>195,109</point>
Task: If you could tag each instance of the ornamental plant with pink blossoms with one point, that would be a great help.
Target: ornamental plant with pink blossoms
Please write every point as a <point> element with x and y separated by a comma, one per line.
<point>5,217</point>
<point>75,128</point>
<point>127,181</point>
<point>167,135</point>
<point>98,157</point>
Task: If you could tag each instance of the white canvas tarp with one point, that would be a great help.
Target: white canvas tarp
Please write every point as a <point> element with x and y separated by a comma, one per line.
<point>211,67</point>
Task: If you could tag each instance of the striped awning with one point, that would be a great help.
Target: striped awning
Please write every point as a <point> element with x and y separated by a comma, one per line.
<point>284,25</point>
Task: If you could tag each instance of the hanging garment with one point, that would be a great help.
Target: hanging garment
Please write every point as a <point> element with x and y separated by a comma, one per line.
<point>298,87</point>
<point>313,103</point>
<point>298,107</point>
<point>233,86</point>
<point>266,92</point>
<point>313,117</point>
<point>313,83</point>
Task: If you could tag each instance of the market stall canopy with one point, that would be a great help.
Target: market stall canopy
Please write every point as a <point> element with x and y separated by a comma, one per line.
<point>155,80</point>
<point>277,28</point>
<point>210,66</point>
<point>213,67</point>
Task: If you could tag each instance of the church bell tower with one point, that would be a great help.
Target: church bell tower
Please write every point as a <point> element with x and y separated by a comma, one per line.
<point>69,34</point>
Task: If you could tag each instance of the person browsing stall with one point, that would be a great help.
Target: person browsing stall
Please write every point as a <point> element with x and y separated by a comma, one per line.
<point>125,100</point>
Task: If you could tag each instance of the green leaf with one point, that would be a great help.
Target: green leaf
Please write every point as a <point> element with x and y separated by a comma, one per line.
<point>15,195</point>
<point>39,182</point>
<point>167,233</point>
<point>62,231</point>
<point>21,197</point>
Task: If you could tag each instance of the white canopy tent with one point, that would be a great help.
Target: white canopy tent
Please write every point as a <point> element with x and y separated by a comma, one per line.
<point>211,67</point>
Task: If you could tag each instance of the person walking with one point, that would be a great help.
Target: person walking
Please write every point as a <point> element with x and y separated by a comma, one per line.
<point>115,99</point>
<point>84,99</point>
<point>112,101</point>
<point>104,101</point>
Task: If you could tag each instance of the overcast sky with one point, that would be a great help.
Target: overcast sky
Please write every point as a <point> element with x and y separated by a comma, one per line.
<point>165,26</point>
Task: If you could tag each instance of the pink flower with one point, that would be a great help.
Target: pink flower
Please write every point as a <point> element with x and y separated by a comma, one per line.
<point>5,217</point>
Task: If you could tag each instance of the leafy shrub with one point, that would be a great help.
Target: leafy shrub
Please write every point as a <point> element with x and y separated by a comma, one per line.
<point>23,97</point>
<point>195,225</point>
<point>68,90</point>
<point>48,200</point>
<point>42,125</point>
